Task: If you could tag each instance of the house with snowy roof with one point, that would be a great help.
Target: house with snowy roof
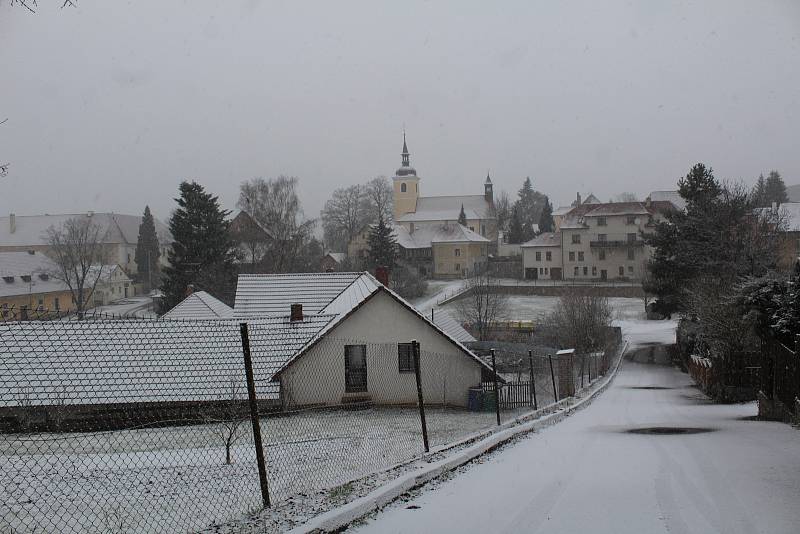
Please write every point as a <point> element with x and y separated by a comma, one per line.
<point>119,235</point>
<point>200,305</point>
<point>365,352</point>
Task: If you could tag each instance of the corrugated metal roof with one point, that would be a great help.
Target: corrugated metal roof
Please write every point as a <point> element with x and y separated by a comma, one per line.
<point>200,305</point>
<point>451,327</point>
<point>273,294</point>
<point>96,362</point>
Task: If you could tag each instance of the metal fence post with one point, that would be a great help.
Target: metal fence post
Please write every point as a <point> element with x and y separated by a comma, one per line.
<point>251,393</point>
<point>553,377</point>
<point>420,400</point>
<point>496,389</point>
<point>533,380</point>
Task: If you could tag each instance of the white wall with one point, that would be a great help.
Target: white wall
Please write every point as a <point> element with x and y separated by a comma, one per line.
<point>318,377</point>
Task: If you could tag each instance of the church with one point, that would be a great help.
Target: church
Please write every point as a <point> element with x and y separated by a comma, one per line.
<point>412,210</point>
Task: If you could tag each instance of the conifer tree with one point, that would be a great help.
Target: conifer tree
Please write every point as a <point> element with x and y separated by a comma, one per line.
<point>775,190</point>
<point>202,252</point>
<point>546,223</point>
<point>382,245</point>
<point>515,230</point>
<point>759,193</point>
<point>148,252</point>
<point>462,217</point>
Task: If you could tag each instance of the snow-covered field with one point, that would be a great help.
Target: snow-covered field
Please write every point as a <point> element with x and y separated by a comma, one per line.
<point>175,479</point>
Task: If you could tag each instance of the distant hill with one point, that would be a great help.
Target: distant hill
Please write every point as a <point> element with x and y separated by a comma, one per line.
<point>794,192</point>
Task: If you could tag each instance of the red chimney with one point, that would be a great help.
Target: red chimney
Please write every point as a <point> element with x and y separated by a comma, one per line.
<point>189,289</point>
<point>296,313</point>
<point>382,274</point>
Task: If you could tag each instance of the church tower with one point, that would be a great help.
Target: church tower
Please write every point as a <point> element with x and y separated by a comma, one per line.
<point>406,185</point>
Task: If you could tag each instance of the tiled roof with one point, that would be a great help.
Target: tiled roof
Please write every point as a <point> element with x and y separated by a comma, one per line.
<point>14,265</point>
<point>448,208</point>
<point>143,361</point>
<point>546,239</point>
<point>200,305</point>
<point>273,294</point>
<point>115,228</point>
<point>426,235</point>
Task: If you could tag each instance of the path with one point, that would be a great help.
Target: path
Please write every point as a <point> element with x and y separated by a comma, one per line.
<point>588,474</point>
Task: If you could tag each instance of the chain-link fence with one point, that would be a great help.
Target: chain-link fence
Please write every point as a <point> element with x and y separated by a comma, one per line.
<point>141,425</point>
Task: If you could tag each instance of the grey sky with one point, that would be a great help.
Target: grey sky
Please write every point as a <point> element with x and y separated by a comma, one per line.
<point>112,104</point>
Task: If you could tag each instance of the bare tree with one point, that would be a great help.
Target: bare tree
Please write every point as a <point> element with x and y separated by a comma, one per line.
<point>344,215</point>
<point>79,254</point>
<point>274,204</point>
<point>32,5</point>
<point>502,209</point>
<point>483,305</point>
<point>580,320</point>
<point>228,424</point>
<point>379,198</point>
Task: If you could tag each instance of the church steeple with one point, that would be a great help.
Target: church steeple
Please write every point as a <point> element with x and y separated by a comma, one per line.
<point>405,152</point>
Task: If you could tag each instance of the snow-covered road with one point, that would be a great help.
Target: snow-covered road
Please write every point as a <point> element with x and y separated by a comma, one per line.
<point>589,474</point>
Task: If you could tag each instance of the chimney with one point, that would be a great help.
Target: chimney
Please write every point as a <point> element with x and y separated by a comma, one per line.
<point>382,274</point>
<point>12,223</point>
<point>189,289</point>
<point>296,313</point>
<point>578,202</point>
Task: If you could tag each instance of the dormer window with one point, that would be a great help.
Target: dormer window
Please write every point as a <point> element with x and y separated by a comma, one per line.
<point>44,277</point>
<point>8,279</point>
<point>26,277</point>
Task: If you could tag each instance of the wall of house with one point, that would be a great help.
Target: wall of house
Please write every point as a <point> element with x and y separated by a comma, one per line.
<point>318,377</point>
<point>119,286</point>
<point>47,301</point>
<point>448,263</point>
<point>544,264</point>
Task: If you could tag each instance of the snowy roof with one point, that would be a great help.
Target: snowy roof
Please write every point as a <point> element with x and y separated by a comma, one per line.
<point>426,235</point>
<point>96,362</point>
<point>14,265</point>
<point>338,257</point>
<point>546,239</point>
<point>200,305</point>
<point>789,212</point>
<point>668,196</point>
<point>115,228</point>
<point>562,210</point>
<point>617,208</point>
<point>273,294</point>
<point>591,199</point>
<point>448,208</point>
<point>452,327</point>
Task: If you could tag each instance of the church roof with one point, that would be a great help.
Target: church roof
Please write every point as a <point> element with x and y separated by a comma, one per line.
<point>448,208</point>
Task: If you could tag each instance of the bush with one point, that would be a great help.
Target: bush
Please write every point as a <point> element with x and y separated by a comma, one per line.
<point>408,284</point>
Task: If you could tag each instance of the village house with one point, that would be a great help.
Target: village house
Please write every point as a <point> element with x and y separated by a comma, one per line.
<point>200,305</point>
<point>364,353</point>
<point>595,241</point>
<point>332,261</point>
<point>113,284</point>
<point>28,286</point>
<point>253,238</point>
<point>119,235</point>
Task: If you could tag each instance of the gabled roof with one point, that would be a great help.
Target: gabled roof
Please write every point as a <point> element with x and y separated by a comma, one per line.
<point>200,305</point>
<point>426,235</point>
<point>546,239</point>
<point>114,228</point>
<point>146,360</point>
<point>591,199</point>
<point>451,327</point>
<point>338,257</point>
<point>617,208</point>
<point>448,208</point>
<point>273,294</point>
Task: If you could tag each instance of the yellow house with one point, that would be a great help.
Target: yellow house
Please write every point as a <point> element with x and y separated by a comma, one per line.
<point>27,286</point>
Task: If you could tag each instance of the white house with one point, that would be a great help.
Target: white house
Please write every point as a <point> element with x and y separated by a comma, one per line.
<point>364,353</point>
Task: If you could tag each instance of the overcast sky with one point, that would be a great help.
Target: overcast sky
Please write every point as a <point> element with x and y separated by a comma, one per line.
<point>112,104</point>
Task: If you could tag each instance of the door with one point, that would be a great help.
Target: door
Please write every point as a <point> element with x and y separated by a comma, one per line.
<point>603,274</point>
<point>555,273</point>
<point>531,273</point>
<point>355,368</point>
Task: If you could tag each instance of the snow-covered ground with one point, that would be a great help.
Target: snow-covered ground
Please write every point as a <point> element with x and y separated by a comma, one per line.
<point>129,307</point>
<point>590,473</point>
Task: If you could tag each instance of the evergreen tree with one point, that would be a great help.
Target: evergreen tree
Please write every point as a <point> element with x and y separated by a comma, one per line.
<point>515,229</point>
<point>462,217</point>
<point>382,245</point>
<point>202,252</point>
<point>546,223</point>
<point>774,190</point>
<point>759,192</point>
<point>147,252</point>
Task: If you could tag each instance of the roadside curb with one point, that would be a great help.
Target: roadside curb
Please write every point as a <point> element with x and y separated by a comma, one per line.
<point>378,498</point>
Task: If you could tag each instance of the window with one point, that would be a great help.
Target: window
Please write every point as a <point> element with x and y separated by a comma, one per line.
<point>631,254</point>
<point>405,357</point>
<point>621,270</point>
<point>355,368</point>
<point>580,255</point>
<point>546,270</point>
<point>630,219</point>
<point>538,256</point>
<point>541,270</point>
<point>594,270</point>
<point>631,238</point>
<point>602,237</point>
<point>44,277</point>
<point>576,239</point>
<point>471,228</point>
<point>576,270</point>
<point>630,269</point>
<point>602,255</point>
<point>457,252</point>
<point>26,277</point>
<point>458,267</point>
<point>483,229</point>
<point>56,304</point>
<point>571,255</point>
<point>548,256</point>
<point>8,279</point>
<point>601,221</point>
<point>403,187</point>
<point>585,271</point>
<point>129,258</point>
